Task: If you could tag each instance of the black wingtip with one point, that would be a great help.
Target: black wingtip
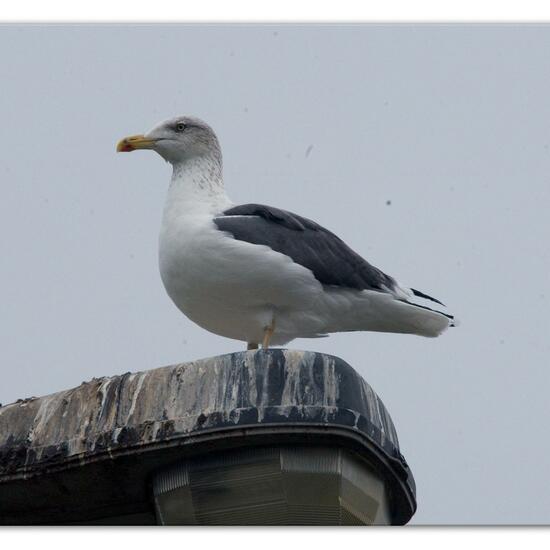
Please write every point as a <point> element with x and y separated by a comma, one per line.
<point>451,318</point>
<point>425,296</point>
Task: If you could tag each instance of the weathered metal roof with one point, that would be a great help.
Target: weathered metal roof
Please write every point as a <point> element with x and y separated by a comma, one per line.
<point>91,449</point>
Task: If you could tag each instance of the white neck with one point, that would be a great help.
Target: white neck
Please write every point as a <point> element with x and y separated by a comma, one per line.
<point>197,186</point>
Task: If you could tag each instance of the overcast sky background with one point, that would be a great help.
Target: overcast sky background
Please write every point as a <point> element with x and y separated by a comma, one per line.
<point>426,148</point>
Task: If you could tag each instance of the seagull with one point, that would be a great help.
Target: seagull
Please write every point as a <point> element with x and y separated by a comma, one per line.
<point>259,274</point>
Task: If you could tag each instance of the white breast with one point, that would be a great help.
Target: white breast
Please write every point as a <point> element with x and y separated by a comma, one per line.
<point>229,287</point>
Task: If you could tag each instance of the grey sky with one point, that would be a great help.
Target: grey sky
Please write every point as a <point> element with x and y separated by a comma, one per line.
<point>449,123</point>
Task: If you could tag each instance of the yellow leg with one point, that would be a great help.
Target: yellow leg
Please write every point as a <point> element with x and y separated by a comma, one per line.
<point>251,345</point>
<point>268,333</point>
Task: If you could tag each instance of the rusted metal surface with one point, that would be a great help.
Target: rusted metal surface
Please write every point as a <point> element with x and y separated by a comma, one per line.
<point>105,421</point>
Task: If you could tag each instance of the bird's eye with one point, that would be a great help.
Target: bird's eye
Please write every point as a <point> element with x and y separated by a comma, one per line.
<point>180,127</point>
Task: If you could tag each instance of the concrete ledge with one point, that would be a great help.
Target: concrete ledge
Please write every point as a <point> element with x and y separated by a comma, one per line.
<point>89,452</point>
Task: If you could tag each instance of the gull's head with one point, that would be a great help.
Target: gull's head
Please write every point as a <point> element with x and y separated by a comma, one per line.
<point>176,140</point>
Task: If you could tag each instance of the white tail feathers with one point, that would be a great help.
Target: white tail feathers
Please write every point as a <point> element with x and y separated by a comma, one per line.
<point>399,311</point>
<point>433,318</point>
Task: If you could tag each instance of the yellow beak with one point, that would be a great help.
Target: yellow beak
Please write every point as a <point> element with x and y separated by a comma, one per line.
<point>131,143</point>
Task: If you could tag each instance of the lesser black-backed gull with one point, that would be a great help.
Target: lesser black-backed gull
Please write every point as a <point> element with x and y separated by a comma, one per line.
<point>260,274</point>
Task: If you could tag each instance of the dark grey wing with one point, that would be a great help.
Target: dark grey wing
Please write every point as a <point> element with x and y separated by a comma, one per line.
<point>331,260</point>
